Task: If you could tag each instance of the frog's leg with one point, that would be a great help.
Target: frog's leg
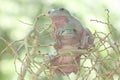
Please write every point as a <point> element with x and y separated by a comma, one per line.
<point>87,39</point>
<point>84,40</point>
<point>58,34</point>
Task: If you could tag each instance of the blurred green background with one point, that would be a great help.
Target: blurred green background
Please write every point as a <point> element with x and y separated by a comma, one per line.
<point>11,29</point>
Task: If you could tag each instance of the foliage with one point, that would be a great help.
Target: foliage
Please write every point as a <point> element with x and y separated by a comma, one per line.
<point>31,59</point>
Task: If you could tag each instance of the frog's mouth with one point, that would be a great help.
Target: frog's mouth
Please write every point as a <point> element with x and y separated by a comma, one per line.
<point>59,21</point>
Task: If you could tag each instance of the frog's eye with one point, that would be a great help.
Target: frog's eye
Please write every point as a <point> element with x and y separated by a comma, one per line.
<point>61,9</point>
<point>50,11</point>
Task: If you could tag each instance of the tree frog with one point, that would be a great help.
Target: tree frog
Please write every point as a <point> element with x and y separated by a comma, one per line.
<point>70,34</point>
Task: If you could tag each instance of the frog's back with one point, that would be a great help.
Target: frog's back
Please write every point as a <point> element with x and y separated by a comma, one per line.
<point>76,22</point>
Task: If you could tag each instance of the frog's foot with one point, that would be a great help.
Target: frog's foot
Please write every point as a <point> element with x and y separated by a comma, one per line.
<point>51,55</point>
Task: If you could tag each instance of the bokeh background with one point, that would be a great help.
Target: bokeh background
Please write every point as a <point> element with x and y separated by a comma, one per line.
<point>12,12</point>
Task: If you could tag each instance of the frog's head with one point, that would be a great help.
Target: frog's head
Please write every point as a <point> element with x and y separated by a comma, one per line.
<point>59,12</point>
<point>59,16</point>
